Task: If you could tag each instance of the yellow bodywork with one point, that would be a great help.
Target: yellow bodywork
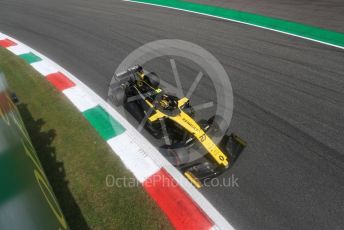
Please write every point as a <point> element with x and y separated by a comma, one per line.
<point>191,126</point>
<point>193,179</point>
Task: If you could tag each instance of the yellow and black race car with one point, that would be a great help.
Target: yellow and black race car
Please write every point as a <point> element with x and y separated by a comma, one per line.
<point>189,144</point>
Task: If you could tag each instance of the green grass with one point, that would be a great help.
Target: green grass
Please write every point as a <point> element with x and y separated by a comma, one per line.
<point>76,159</point>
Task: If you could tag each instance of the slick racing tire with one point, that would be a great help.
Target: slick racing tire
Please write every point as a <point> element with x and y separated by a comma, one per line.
<point>218,126</point>
<point>204,124</point>
<point>118,96</point>
<point>153,79</point>
<point>176,156</point>
<point>135,110</point>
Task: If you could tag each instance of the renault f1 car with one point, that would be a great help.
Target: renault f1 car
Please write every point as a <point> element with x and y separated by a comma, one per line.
<point>189,144</point>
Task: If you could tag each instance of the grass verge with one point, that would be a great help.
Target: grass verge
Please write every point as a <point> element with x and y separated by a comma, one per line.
<point>75,158</point>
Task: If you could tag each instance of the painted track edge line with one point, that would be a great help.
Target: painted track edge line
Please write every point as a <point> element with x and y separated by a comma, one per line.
<point>219,221</point>
<point>237,21</point>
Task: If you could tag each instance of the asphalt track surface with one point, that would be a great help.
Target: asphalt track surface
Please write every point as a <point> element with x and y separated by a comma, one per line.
<point>288,92</point>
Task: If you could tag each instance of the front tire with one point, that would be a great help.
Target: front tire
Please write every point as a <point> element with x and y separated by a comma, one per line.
<point>218,127</point>
<point>176,156</point>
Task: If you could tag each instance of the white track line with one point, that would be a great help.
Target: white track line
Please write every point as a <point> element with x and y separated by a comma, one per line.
<point>232,20</point>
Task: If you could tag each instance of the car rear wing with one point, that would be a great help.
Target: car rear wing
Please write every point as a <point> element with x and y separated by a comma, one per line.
<point>130,72</point>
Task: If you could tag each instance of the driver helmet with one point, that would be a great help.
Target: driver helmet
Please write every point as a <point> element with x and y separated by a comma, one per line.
<point>164,102</point>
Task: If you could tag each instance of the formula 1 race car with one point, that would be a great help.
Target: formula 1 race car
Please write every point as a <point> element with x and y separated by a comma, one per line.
<point>189,144</point>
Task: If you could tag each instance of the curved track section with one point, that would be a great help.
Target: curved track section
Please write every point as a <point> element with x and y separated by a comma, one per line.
<point>321,13</point>
<point>288,92</point>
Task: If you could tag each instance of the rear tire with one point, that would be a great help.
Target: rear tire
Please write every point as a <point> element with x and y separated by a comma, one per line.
<point>154,79</point>
<point>118,96</point>
<point>135,110</point>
